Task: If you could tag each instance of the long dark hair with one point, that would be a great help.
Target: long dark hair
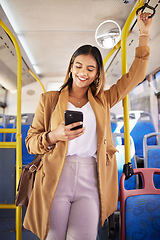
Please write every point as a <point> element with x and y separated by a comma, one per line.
<point>98,84</point>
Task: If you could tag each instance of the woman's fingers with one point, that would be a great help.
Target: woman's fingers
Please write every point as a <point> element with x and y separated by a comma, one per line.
<point>66,133</point>
<point>70,134</point>
<point>74,125</point>
<point>144,22</point>
<point>144,16</point>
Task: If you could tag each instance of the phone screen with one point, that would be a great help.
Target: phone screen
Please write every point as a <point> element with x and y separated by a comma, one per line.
<point>72,117</point>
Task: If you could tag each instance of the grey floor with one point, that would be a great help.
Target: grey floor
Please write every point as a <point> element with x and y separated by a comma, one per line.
<point>7,226</point>
<point>7,229</point>
<point>12,236</point>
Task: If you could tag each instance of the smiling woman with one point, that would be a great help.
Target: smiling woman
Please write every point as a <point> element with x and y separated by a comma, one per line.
<point>88,60</point>
<point>84,72</point>
<point>79,168</point>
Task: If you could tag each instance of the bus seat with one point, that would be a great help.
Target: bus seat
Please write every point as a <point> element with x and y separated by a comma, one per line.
<point>26,157</point>
<point>120,123</point>
<point>27,118</point>
<point>10,123</point>
<point>141,123</point>
<point>113,121</point>
<point>1,135</point>
<point>152,154</point>
<point>7,121</point>
<point>26,121</point>
<point>140,208</point>
<point>2,125</point>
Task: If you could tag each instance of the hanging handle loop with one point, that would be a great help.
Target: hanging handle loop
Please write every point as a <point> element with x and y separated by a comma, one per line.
<point>147,6</point>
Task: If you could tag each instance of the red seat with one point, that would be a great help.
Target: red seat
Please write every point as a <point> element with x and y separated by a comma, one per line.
<point>140,206</point>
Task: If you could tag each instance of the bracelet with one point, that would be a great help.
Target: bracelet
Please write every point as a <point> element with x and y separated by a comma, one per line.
<point>51,146</point>
<point>144,35</point>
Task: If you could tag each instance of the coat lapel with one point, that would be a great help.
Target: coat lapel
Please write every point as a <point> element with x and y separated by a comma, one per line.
<point>63,103</point>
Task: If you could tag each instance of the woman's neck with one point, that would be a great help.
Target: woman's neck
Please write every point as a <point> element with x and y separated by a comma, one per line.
<point>78,94</point>
<point>78,98</point>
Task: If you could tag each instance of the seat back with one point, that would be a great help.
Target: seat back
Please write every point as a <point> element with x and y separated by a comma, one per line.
<point>141,123</point>
<point>1,126</point>
<point>10,123</point>
<point>152,154</point>
<point>120,123</point>
<point>26,121</point>
<point>1,134</point>
<point>113,121</point>
<point>7,121</point>
<point>140,208</point>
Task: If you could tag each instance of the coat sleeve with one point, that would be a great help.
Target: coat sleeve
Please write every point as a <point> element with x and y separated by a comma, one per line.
<point>36,139</point>
<point>131,79</point>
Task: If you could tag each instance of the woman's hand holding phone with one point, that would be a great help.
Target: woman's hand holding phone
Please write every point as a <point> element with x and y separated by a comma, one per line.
<point>64,133</point>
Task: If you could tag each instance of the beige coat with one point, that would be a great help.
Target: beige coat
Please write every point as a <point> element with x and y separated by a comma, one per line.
<point>37,214</point>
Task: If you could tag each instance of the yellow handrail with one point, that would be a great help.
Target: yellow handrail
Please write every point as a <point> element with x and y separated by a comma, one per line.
<point>8,130</point>
<point>124,71</point>
<point>18,132</point>
<point>37,79</point>
<point>8,206</point>
<point>8,145</point>
<point>116,47</point>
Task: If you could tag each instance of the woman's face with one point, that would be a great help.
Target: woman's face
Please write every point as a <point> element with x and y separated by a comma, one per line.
<point>84,71</point>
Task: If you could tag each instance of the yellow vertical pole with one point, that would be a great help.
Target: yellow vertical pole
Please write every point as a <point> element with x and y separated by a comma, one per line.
<point>124,71</point>
<point>18,133</point>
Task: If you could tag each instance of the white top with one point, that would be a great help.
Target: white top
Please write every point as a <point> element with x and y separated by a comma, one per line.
<point>86,144</point>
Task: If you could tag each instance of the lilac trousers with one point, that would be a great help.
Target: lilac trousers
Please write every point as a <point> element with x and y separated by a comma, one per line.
<point>74,214</point>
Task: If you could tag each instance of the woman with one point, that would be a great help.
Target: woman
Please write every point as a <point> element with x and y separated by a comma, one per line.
<point>76,182</point>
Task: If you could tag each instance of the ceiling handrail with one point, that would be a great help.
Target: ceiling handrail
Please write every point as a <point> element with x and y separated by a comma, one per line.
<point>37,79</point>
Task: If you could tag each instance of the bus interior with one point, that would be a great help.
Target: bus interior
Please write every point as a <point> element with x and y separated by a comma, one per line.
<point>47,33</point>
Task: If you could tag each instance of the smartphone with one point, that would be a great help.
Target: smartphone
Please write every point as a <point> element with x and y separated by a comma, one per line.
<point>72,117</point>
